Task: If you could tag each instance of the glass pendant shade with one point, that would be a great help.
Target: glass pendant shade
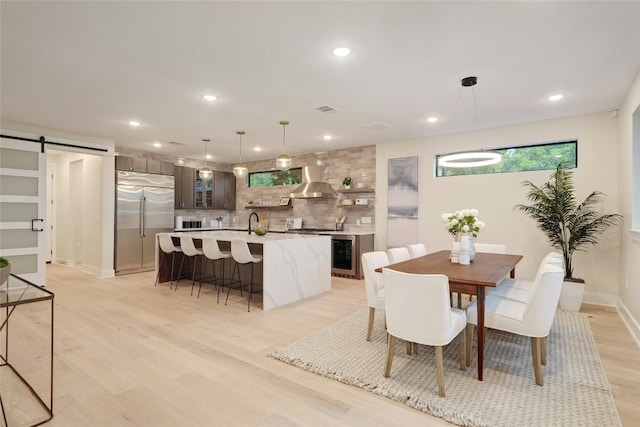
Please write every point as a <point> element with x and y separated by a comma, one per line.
<point>240,169</point>
<point>283,161</point>
<point>205,173</point>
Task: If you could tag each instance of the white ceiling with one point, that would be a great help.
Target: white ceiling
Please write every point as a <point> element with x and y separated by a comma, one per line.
<point>89,67</point>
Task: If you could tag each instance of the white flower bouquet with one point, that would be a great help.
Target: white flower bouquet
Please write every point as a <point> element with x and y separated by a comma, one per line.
<point>463,221</point>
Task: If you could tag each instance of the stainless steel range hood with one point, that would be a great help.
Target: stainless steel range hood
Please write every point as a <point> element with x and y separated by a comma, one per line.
<point>313,185</point>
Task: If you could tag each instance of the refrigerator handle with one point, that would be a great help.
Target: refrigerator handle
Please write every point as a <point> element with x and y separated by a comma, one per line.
<point>143,214</point>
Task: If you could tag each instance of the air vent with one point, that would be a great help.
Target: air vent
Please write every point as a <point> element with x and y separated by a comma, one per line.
<point>176,143</point>
<point>326,109</point>
<point>376,126</point>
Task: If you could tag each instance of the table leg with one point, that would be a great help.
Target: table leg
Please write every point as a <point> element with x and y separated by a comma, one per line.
<point>480,313</point>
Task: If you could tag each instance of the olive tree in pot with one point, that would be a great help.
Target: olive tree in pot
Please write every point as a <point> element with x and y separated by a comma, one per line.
<point>569,226</point>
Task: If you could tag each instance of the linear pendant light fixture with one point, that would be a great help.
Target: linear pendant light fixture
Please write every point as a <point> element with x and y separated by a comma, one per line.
<point>240,169</point>
<point>470,159</point>
<point>205,173</point>
<point>283,161</point>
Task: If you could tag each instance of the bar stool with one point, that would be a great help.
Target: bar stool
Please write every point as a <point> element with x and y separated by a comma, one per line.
<point>241,255</point>
<point>211,251</point>
<point>166,245</point>
<point>189,250</point>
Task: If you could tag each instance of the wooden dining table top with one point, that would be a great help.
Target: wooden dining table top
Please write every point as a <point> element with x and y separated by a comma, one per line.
<point>486,269</point>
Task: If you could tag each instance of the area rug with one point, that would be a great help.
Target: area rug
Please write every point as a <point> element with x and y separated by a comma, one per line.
<point>575,392</point>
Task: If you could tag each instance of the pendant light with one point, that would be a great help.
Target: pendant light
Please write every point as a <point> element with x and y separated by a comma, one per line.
<point>469,159</point>
<point>205,173</point>
<point>283,161</point>
<point>240,169</point>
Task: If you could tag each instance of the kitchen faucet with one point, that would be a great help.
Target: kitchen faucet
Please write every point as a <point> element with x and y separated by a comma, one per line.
<point>257,219</point>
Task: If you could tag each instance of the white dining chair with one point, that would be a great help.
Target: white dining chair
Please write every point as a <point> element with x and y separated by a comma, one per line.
<point>522,289</point>
<point>490,248</point>
<point>531,319</point>
<point>167,247</point>
<point>398,254</point>
<point>416,250</point>
<point>418,311</point>
<point>373,283</point>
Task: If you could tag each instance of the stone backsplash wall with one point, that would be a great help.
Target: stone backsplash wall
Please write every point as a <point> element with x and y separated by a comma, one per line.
<point>358,163</point>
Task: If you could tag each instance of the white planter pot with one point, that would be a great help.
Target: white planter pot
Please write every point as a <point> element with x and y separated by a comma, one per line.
<point>571,296</point>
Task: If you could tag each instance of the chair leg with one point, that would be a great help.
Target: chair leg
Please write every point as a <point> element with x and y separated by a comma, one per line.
<point>204,268</point>
<point>179,271</point>
<point>235,267</point>
<point>193,273</point>
<point>372,313</point>
<point>391,347</point>
<point>535,351</point>
<point>543,351</point>
<point>470,331</point>
<point>158,275</point>
<point>250,290</point>
<point>409,348</point>
<point>173,258</point>
<point>440,369</point>
<point>463,350</point>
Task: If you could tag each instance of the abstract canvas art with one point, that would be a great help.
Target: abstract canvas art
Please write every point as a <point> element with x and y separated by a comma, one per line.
<point>403,202</point>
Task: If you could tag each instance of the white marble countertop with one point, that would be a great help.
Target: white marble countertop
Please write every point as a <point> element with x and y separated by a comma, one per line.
<point>352,232</point>
<point>250,238</point>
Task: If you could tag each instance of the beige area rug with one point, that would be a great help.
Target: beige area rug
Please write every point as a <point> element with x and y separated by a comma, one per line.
<point>575,392</point>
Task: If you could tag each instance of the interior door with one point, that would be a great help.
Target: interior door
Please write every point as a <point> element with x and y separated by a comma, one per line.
<point>22,208</point>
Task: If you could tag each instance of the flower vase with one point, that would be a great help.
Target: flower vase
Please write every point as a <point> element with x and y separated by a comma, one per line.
<point>466,244</point>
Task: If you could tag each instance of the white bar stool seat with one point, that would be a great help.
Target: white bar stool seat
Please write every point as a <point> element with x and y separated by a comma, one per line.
<point>168,247</point>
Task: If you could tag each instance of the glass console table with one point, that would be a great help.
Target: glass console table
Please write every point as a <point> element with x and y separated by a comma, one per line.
<point>21,331</point>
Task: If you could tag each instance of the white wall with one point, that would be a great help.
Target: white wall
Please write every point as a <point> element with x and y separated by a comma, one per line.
<point>495,195</point>
<point>629,285</point>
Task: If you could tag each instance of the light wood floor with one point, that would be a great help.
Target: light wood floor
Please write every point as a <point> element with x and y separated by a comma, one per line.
<point>131,354</point>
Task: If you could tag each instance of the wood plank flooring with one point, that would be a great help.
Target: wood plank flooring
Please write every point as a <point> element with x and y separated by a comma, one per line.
<point>131,354</point>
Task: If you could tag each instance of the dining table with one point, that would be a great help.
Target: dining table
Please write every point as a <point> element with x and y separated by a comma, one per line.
<point>486,270</point>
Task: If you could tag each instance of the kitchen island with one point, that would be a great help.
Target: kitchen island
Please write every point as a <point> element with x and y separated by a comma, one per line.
<point>294,266</point>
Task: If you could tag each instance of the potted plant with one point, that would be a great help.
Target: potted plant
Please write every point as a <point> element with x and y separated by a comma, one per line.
<point>568,225</point>
<point>5,269</point>
<point>346,182</point>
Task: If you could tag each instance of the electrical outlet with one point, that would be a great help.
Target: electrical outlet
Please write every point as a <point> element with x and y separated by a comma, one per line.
<point>365,220</point>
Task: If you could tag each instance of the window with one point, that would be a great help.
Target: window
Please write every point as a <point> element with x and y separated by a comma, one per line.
<point>523,158</point>
<point>271,178</point>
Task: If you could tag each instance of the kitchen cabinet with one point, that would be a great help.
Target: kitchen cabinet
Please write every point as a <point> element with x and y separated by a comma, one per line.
<point>224,190</point>
<point>185,187</point>
<point>204,192</point>
<point>137,164</point>
<point>160,167</point>
<point>133,164</point>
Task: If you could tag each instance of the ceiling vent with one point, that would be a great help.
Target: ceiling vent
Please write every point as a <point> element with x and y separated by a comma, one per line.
<point>376,126</point>
<point>326,109</point>
<point>176,143</point>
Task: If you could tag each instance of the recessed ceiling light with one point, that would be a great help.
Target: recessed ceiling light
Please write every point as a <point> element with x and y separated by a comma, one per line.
<point>157,144</point>
<point>557,97</point>
<point>210,97</point>
<point>327,137</point>
<point>180,161</point>
<point>134,123</point>
<point>257,149</point>
<point>208,156</point>
<point>341,51</point>
<point>432,119</point>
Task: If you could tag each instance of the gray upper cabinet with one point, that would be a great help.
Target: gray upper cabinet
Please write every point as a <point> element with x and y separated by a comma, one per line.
<point>160,167</point>
<point>185,187</point>
<point>136,164</point>
<point>224,190</point>
<point>133,164</point>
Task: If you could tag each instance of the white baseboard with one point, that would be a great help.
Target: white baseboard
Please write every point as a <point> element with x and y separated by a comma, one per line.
<point>600,299</point>
<point>106,274</point>
<point>632,324</point>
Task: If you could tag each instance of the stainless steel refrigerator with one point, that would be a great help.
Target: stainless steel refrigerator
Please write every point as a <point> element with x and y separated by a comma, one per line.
<point>144,207</point>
